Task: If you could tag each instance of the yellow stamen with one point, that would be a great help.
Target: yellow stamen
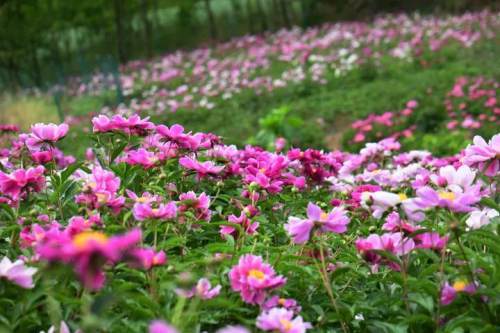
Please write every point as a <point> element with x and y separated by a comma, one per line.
<point>262,170</point>
<point>287,324</point>
<point>402,196</point>
<point>446,195</point>
<point>459,285</point>
<point>323,216</point>
<point>281,301</point>
<point>101,198</point>
<point>83,239</point>
<point>256,274</point>
<point>141,199</point>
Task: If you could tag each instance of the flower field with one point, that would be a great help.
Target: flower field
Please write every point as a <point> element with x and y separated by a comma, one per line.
<point>163,224</point>
<point>153,227</point>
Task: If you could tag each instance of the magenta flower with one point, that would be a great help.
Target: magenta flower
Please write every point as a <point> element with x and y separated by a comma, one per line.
<point>46,133</point>
<point>17,273</point>
<point>300,229</point>
<point>22,181</point>
<point>450,292</point>
<point>141,157</point>
<point>88,252</point>
<point>133,125</point>
<point>394,243</point>
<point>243,220</point>
<point>198,204</point>
<point>484,156</point>
<point>430,240</point>
<point>282,321</point>
<point>253,279</point>
<point>159,326</point>
<point>202,169</point>
<point>148,258</point>
<point>175,133</point>
<point>143,211</point>
<point>100,189</point>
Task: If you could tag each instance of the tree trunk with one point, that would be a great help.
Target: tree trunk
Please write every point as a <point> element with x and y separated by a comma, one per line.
<point>37,73</point>
<point>249,11</point>
<point>263,17</point>
<point>236,17</point>
<point>211,21</point>
<point>119,31</point>
<point>148,30</point>
<point>275,15</point>
<point>284,14</point>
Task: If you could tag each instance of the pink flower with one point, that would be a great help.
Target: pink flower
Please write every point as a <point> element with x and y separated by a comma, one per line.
<point>454,200</point>
<point>87,252</point>
<point>281,320</point>
<point>253,279</point>
<point>141,157</point>
<point>148,258</point>
<point>102,124</point>
<point>22,181</point>
<point>484,156</point>
<point>100,189</point>
<point>17,273</point>
<point>143,211</point>
<point>46,133</point>
<point>394,243</point>
<point>279,144</point>
<point>133,125</point>
<point>199,204</point>
<point>203,290</point>
<point>202,169</point>
<point>243,220</point>
<point>276,301</point>
<point>412,104</point>
<point>430,240</point>
<point>159,326</point>
<point>299,229</point>
<point>336,221</point>
<point>450,292</point>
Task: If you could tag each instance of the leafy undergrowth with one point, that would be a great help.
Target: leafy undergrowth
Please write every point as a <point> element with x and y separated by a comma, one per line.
<point>159,226</point>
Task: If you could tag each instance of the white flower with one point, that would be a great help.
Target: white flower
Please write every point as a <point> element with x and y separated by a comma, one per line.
<point>480,218</point>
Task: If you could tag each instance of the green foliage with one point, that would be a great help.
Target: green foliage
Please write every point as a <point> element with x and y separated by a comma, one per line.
<point>443,143</point>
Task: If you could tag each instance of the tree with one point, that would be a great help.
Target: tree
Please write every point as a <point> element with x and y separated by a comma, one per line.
<point>148,30</point>
<point>211,20</point>
<point>119,30</point>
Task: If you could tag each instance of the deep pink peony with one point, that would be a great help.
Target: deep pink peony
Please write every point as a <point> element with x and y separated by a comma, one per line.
<point>253,279</point>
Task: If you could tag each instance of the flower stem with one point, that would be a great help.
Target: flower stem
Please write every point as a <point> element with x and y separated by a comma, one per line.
<point>328,287</point>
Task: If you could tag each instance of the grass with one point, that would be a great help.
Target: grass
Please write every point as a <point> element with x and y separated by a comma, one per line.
<point>26,110</point>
